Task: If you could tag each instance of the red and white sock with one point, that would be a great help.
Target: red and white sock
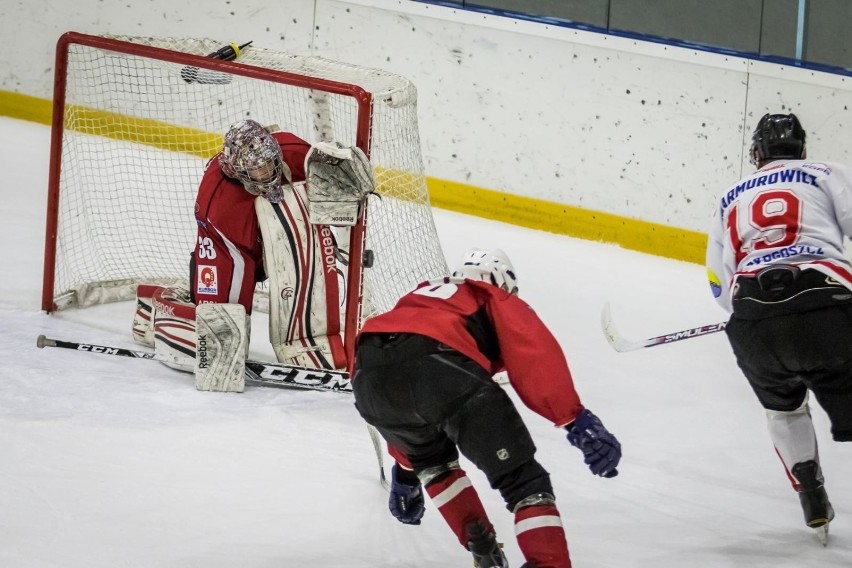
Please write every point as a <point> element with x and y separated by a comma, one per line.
<point>459,503</point>
<point>541,537</point>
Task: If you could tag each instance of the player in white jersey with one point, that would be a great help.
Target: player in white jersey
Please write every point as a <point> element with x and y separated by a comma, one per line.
<point>775,260</point>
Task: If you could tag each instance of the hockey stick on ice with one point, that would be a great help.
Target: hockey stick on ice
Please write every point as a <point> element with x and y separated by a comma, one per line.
<point>380,455</point>
<point>621,344</point>
<point>257,372</point>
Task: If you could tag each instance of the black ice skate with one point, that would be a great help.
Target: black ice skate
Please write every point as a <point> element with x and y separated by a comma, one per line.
<point>482,543</point>
<point>815,505</point>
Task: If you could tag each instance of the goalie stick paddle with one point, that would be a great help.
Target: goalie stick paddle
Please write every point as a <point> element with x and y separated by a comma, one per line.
<point>621,344</point>
<point>257,372</point>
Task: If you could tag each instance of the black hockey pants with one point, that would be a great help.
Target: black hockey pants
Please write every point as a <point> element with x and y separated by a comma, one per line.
<point>793,332</point>
<point>431,402</point>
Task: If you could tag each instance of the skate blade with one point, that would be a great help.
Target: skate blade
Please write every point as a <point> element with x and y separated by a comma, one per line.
<point>822,534</point>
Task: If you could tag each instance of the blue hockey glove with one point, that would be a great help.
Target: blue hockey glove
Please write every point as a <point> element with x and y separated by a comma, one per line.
<point>600,448</point>
<point>406,497</point>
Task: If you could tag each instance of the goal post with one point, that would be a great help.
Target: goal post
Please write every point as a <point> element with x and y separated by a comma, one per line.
<point>135,121</point>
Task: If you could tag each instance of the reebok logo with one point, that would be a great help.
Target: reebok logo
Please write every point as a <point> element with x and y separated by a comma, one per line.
<point>327,242</point>
<point>164,308</point>
<point>203,361</point>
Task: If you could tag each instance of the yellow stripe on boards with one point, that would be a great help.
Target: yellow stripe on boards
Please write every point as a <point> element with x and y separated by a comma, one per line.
<point>142,131</point>
<point>25,107</point>
<point>652,238</point>
<point>643,236</point>
<point>116,126</point>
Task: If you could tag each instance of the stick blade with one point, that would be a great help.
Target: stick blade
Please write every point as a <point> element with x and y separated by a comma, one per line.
<point>612,335</point>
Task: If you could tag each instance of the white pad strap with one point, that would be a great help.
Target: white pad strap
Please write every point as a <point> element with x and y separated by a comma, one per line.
<point>220,359</point>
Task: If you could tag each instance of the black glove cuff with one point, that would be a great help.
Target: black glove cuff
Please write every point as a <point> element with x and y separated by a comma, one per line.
<point>406,476</point>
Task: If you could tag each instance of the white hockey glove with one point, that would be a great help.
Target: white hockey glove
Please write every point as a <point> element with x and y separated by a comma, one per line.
<point>338,179</point>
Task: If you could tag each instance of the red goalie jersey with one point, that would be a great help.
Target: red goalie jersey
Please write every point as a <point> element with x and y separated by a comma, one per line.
<point>228,256</point>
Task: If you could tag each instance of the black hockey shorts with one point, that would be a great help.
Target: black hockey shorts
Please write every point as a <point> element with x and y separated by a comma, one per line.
<point>800,340</point>
<point>431,402</point>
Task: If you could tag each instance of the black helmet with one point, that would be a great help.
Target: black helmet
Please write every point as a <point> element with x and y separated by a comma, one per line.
<point>777,136</point>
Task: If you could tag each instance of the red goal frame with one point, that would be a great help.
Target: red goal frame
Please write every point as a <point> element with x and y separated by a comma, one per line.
<point>363,100</point>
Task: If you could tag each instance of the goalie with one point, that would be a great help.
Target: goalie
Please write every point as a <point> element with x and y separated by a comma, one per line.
<point>265,209</point>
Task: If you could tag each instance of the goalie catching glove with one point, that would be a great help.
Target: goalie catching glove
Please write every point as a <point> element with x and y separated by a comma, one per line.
<point>338,179</point>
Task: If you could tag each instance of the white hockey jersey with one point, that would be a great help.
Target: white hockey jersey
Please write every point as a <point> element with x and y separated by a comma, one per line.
<point>788,212</point>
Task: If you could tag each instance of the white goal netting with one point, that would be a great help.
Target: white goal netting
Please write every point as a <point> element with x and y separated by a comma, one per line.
<point>136,135</point>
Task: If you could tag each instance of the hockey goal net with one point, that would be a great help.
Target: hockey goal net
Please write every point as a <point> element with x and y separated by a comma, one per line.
<point>135,121</point>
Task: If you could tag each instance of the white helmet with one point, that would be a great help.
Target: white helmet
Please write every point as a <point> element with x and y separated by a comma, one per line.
<point>489,265</point>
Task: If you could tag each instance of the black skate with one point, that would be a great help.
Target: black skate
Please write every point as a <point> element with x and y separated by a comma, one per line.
<point>815,505</point>
<point>483,545</point>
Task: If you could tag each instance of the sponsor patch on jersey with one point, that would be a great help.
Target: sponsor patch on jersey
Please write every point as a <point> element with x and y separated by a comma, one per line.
<point>715,285</point>
<point>207,280</point>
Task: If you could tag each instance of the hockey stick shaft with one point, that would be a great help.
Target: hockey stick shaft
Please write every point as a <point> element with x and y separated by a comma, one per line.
<point>380,455</point>
<point>263,374</point>
<point>257,372</point>
<point>619,343</point>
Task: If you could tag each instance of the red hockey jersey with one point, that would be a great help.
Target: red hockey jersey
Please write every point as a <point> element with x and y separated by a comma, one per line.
<point>497,330</point>
<point>228,252</point>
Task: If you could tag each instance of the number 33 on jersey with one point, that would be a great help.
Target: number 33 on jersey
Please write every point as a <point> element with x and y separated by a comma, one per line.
<point>206,248</point>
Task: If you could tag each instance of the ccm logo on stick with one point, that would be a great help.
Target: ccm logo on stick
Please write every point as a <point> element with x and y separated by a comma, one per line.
<point>98,349</point>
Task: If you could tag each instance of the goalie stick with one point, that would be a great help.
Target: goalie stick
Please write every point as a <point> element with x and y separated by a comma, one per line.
<point>257,372</point>
<point>621,344</point>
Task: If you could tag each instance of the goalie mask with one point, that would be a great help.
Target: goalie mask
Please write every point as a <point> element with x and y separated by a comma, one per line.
<point>252,156</point>
<point>492,266</point>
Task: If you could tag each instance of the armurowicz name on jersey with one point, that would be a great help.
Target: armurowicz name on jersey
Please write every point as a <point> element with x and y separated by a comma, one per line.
<point>783,176</point>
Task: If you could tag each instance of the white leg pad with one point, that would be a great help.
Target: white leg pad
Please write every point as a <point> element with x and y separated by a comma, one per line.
<point>174,327</point>
<point>221,347</point>
<point>793,435</point>
<point>304,294</point>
